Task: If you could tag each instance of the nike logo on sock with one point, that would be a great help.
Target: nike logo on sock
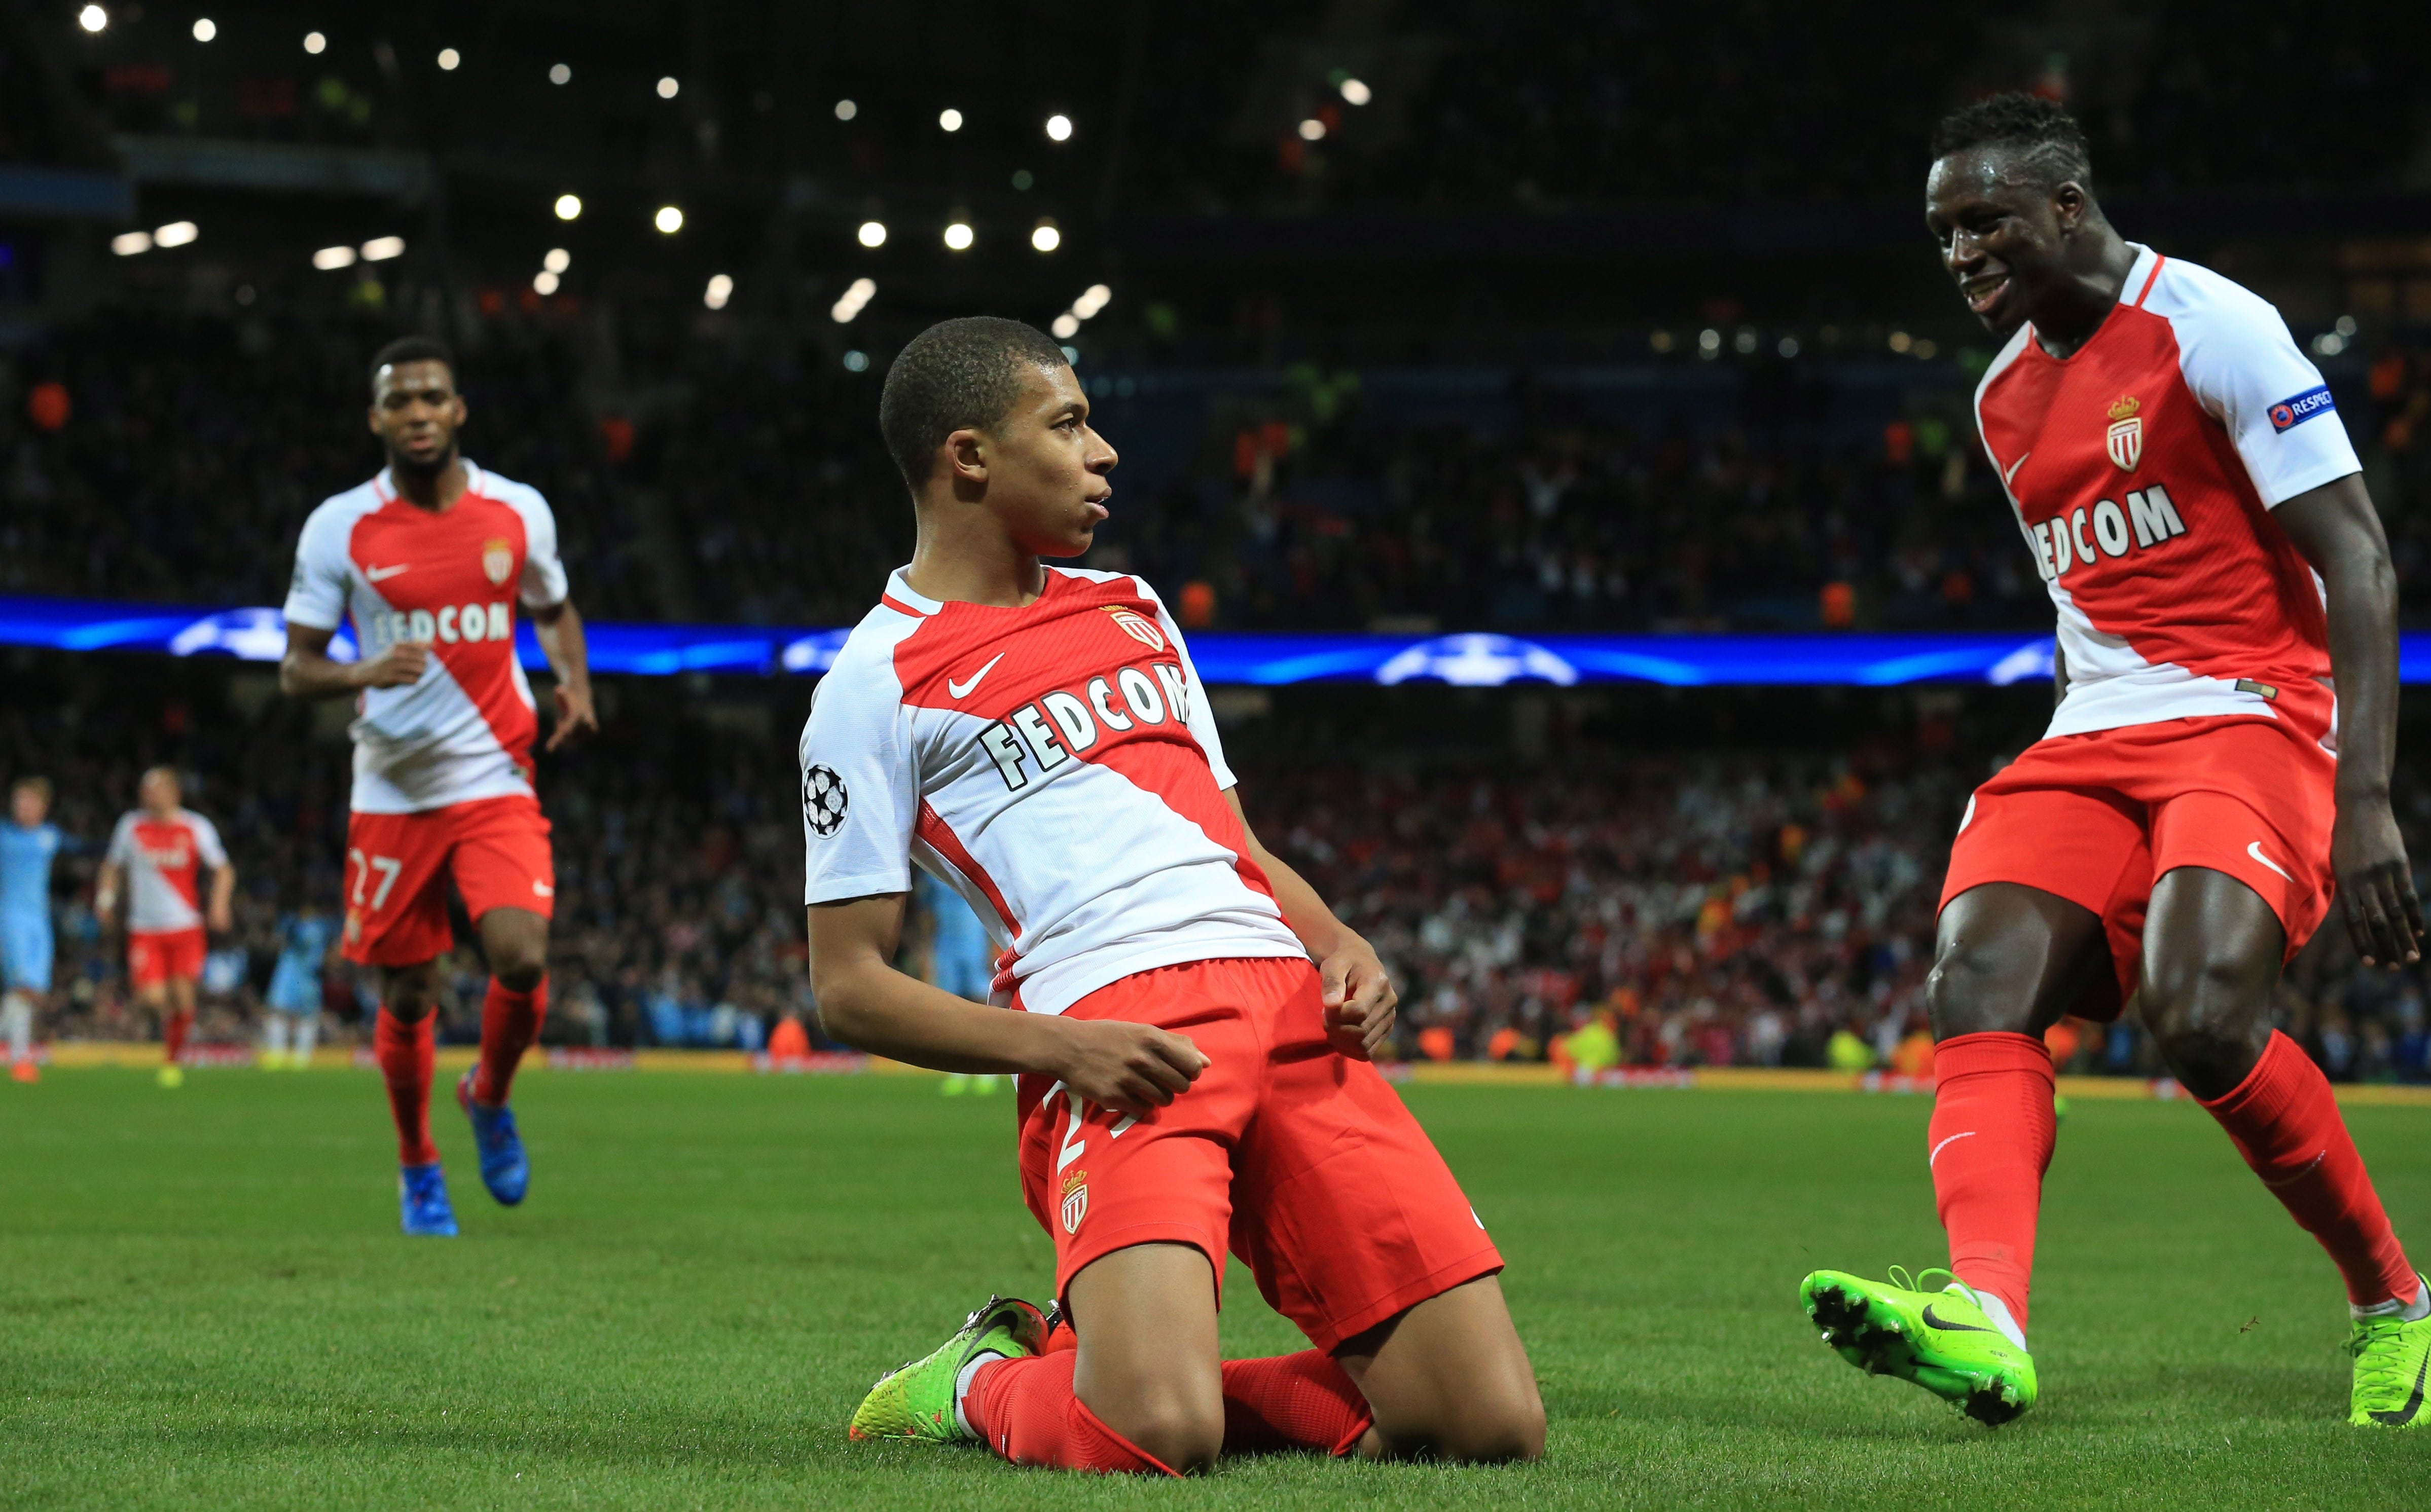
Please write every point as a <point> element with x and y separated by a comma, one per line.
<point>1944,1145</point>
<point>2289,1181</point>
<point>2413,1403</point>
<point>963,689</point>
<point>1933,1321</point>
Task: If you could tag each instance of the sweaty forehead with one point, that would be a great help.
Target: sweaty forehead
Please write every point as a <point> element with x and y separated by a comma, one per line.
<point>1044,389</point>
<point>416,377</point>
<point>1980,174</point>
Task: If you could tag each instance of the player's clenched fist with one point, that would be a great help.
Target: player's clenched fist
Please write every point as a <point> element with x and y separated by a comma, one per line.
<point>1129,1066</point>
<point>1359,999</point>
<point>399,665</point>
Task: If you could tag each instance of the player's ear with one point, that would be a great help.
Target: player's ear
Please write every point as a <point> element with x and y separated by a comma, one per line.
<point>966,458</point>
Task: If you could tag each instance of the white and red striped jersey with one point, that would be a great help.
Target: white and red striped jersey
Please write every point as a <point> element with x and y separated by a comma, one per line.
<point>163,860</point>
<point>451,579</point>
<point>2143,469</point>
<point>1054,764</point>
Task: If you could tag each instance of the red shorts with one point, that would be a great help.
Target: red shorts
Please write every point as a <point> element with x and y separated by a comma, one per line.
<point>1301,1161</point>
<point>2098,818</point>
<point>158,956</point>
<point>397,867</point>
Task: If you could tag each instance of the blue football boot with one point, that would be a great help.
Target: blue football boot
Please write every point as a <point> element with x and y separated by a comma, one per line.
<point>504,1170</point>
<point>422,1201</point>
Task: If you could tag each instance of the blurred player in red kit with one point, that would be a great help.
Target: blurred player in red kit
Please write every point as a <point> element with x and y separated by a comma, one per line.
<point>430,564</point>
<point>158,854</point>
<point>2215,773</point>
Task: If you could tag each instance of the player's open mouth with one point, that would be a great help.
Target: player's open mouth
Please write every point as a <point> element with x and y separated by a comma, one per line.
<point>1983,293</point>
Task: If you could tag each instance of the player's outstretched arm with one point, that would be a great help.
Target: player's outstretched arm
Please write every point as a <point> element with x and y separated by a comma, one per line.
<point>1359,995</point>
<point>867,1004</point>
<point>2338,532</point>
<point>562,643</point>
<point>308,671</point>
<point>222,894</point>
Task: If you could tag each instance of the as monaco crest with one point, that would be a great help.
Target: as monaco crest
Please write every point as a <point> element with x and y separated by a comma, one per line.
<point>498,560</point>
<point>2127,438</point>
<point>1076,1200</point>
<point>1139,627</point>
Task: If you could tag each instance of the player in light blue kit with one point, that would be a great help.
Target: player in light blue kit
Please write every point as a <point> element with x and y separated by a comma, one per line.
<point>305,940</point>
<point>28,846</point>
<point>960,959</point>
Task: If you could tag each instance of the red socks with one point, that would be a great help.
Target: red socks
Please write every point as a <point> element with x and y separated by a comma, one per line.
<point>405,1054</point>
<point>1990,1140</point>
<point>1303,1400</point>
<point>1026,1411</point>
<point>173,1034</point>
<point>2286,1125</point>
<point>509,1023</point>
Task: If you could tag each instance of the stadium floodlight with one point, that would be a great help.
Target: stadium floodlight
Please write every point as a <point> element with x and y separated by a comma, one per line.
<point>720,289</point>
<point>174,234</point>
<point>1311,129</point>
<point>1059,127</point>
<point>448,58</point>
<point>1045,236</point>
<point>1789,346</point>
<point>205,28</point>
<point>846,110</point>
<point>667,87</point>
<point>1355,92</point>
<point>852,301</point>
<point>1092,300</point>
<point>669,220</point>
<point>560,74</point>
<point>315,43</point>
<point>545,283</point>
<point>856,362</point>
<point>568,207</point>
<point>872,233</point>
<point>131,243</point>
<point>381,248</point>
<point>93,19</point>
<point>1709,342</point>
<point>959,235</point>
<point>557,260</point>
<point>1901,341</point>
<point>329,259</point>
<point>950,119</point>
<point>1066,327</point>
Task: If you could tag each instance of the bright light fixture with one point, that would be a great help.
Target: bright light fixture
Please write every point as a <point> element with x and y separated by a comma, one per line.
<point>1045,238</point>
<point>329,259</point>
<point>873,233</point>
<point>720,289</point>
<point>315,43</point>
<point>560,74</point>
<point>545,283</point>
<point>846,110</point>
<point>448,58</point>
<point>381,248</point>
<point>1092,300</point>
<point>1059,128</point>
<point>558,260</point>
<point>958,237</point>
<point>950,119</point>
<point>1066,327</point>
<point>128,243</point>
<point>851,302</point>
<point>1355,92</point>
<point>1311,129</point>
<point>93,18</point>
<point>667,87</point>
<point>174,234</point>
<point>669,220</point>
<point>568,207</point>
<point>856,362</point>
<point>206,28</point>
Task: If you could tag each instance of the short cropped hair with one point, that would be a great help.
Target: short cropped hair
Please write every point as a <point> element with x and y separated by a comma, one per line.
<point>411,349</point>
<point>2040,131</point>
<point>38,787</point>
<point>958,374</point>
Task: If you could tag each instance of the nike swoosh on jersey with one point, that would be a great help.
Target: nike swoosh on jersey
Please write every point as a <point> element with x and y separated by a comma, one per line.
<point>382,575</point>
<point>2011,475</point>
<point>963,689</point>
<point>2254,849</point>
<point>1933,1321</point>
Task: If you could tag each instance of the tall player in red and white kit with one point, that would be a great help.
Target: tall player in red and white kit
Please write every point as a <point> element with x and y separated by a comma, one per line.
<point>1190,1024</point>
<point>2215,773</point>
<point>430,563</point>
<point>158,856</point>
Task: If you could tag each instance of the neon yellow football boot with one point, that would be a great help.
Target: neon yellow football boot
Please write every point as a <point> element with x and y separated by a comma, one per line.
<point>915,1400</point>
<point>1942,1341</point>
<point>2392,1364</point>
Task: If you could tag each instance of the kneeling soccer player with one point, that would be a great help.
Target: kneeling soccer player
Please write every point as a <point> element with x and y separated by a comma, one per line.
<point>1193,1056</point>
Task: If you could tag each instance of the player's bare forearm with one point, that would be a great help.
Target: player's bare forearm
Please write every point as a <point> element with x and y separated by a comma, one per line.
<point>1359,994</point>
<point>308,671</point>
<point>562,641</point>
<point>2337,531</point>
<point>222,894</point>
<point>867,1004</point>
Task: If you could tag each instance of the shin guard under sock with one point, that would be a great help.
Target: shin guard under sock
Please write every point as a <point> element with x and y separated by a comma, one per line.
<point>1028,1413</point>
<point>2286,1123</point>
<point>1989,1143</point>
<point>509,1023</point>
<point>1303,1400</point>
<point>405,1051</point>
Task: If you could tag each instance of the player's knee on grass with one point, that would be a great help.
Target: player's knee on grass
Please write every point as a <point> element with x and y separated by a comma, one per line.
<point>1174,1416</point>
<point>1449,1379</point>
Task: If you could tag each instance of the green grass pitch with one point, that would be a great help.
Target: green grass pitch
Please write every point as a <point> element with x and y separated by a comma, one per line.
<point>204,1301</point>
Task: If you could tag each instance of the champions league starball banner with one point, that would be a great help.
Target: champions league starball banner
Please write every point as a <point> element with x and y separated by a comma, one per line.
<point>1254,659</point>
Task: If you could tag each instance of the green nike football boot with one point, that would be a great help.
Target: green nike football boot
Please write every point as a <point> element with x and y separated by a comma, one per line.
<point>915,1400</point>
<point>1942,1341</point>
<point>2392,1362</point>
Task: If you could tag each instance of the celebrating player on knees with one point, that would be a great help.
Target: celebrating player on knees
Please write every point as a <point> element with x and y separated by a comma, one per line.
<point>1190,1024</point>
<point>158,854</point>
<point>430,563</point>
<point>2216,771</point>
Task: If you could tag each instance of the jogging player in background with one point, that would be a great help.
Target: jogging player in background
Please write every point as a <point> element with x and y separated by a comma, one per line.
<point>29,842</point>
<point>156,859</point>
<point>1191,1026</point>
<point>2216,772</point>
<point>292,1025</point>
<point>956,955</point>
<point>430,563</point>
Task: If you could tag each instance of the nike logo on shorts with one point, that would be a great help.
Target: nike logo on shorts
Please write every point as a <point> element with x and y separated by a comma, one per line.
<point>382,575</point>
<point>541,890</point>
<point>963,689</point>
<point>2254,849</point>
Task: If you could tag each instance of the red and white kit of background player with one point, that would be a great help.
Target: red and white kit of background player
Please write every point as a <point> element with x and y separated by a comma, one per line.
<point>1191,1025</point>
<point>429,563</point>
<point>157,856</point>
